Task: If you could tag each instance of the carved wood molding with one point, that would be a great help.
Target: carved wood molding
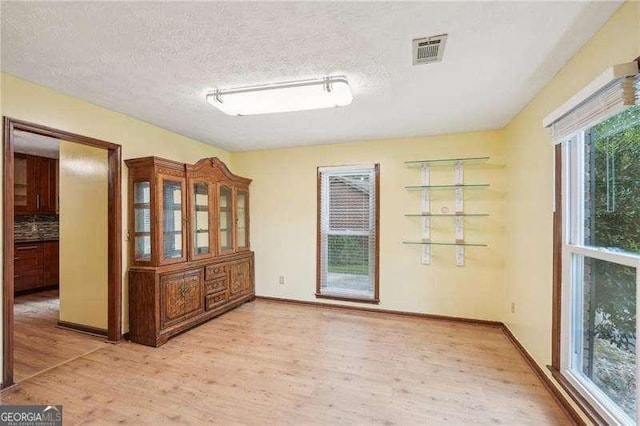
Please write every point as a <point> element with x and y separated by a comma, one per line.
<point>171,172</point>
<point>215,168</point>
<point>211,167</point>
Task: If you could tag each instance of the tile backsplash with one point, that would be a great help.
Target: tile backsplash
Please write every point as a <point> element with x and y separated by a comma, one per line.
<point>36,227</point>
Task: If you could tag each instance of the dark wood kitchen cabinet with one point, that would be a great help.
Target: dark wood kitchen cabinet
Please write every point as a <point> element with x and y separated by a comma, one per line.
<point>36,266</point>
<point>35,185</point>
<point>28,264</point>
<point>51,262</point>
<point>47,175</point>
<point>188,245</point>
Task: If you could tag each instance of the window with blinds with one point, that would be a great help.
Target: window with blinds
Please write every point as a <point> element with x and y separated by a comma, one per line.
<point>598,253</point>
<point>347,222</point>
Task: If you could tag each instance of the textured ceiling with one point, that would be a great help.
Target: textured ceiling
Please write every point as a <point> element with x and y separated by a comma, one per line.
<point>31,143</point>
<point>156,61</point>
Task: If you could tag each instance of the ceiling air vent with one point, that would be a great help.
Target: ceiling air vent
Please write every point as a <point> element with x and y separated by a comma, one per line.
<point>428,49</point>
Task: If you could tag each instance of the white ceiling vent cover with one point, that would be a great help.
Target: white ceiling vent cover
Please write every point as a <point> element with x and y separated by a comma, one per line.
<point>428,49</point>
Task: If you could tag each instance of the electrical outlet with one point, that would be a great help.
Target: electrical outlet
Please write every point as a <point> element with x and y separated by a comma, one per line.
<point>281,280</point>
<point>513,307</point>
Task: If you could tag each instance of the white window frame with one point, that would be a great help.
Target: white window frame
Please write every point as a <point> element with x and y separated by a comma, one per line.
<point>573,245</point>
<point>324,173</point>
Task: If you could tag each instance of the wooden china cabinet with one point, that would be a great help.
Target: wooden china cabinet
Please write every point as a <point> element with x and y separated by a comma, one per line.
<point>188,245</point>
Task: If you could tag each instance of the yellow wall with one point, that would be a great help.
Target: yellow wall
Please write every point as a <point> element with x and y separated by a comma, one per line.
<point>530,176</point>
<point>83,234</point>
<point>283,223</point>
<point>23,100</point>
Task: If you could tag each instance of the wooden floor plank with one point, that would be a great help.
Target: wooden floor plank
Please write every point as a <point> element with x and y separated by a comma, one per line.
<point>38,343</point>
<point>276,363</point>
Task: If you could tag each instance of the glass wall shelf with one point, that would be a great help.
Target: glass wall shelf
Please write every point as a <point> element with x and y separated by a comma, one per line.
<point>434,243</point>
<point>445,214</point>
<point>457,187</point>
<point>421,187</point>
<point>447,161</point>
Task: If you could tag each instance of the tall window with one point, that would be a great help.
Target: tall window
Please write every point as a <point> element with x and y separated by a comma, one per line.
<point>600,258</point>
<point>348,233</point>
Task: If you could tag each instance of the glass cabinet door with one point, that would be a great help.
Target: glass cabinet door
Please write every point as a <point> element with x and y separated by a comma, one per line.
<point>226,220</point>
<point>242,234</point>
<point>172,232</point>
<point>142,221</point>
<point>201,232</point>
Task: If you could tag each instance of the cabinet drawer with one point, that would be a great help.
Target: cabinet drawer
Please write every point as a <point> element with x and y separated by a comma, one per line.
<point>215,271</point>
<point>27,281</point>
<point>215,300</point>
<point>28,258</point>
<point>218,284</point>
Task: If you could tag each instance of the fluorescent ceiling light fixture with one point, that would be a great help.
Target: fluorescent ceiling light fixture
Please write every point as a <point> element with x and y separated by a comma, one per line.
<point>289,96</point>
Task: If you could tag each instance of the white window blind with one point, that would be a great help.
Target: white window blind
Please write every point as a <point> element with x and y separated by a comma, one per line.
<point>348,231</point>
<point>616,89</point>
<point>608,102</point>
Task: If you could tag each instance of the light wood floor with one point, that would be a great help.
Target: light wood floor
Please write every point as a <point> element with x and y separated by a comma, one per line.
<point>39,344</point>
<point>276,363</point>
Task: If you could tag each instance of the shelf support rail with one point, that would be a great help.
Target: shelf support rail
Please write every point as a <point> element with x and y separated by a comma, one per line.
<point>459,180</point>
<point>426,220</point>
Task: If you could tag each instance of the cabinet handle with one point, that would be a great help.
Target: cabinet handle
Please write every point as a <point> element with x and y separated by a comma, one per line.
<point>183,290</point>
<point>38,201</point>
<point>27,248</point>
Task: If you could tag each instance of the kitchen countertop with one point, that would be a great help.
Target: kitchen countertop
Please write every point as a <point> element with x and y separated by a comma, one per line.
<point>37,240</point>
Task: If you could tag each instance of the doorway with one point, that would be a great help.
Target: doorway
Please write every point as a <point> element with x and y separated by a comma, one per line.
<point>113,238</point>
